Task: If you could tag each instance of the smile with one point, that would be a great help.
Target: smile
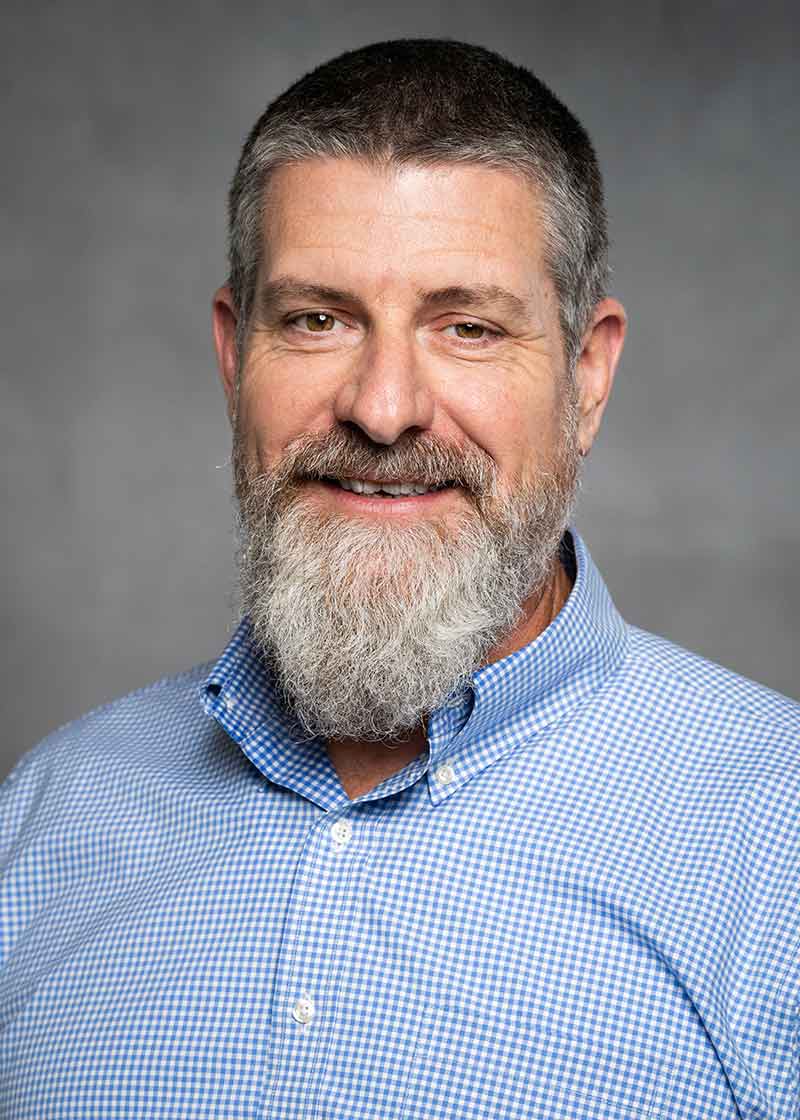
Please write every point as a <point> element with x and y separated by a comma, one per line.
<point>387,499</point>
<point>386,489</point>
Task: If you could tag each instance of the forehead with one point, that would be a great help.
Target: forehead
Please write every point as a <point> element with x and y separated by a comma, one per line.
<point>426,226</point>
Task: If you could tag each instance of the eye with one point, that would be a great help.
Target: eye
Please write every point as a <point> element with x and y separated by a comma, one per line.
<point>307,328</point>
<point>315,321</point>
<point>469,331</point>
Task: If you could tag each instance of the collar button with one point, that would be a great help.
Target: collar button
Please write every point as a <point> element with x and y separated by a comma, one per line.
<point>445,775</point>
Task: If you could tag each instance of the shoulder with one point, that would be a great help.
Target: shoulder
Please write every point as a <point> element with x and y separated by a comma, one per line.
<point>708,734</point>
<point>684,680</point>
<point>123,736</point>
<point>714,760</point>
<point>103,800</point>
<point>169,699</point>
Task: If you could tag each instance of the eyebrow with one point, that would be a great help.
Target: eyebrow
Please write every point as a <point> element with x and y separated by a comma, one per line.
<point>479,296</point>
<point>274,294</point>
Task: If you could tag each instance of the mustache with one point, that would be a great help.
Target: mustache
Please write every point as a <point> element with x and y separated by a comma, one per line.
<point>425,459</point>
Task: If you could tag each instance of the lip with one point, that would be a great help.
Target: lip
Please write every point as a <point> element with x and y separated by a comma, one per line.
<point>383,507</point>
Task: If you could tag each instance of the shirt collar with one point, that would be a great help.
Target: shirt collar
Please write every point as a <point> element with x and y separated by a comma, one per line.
<point>506,707</point>
<point>512,701</point>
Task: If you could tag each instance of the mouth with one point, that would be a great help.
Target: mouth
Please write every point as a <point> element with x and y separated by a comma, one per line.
<point>373,497</point>
<point>386,489</point>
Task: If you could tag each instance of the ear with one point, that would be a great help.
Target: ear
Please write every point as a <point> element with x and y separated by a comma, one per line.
<point>602,346</point>
<point>225,320</point>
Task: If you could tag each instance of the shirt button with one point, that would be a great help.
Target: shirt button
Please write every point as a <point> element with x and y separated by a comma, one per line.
<point>303,1010</point>
<point>341,833</point>
<point>445,774</point>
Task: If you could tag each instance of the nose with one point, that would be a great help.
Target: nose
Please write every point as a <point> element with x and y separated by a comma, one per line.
<point>386,393</point>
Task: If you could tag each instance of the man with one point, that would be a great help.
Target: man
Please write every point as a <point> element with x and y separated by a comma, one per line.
<point>445,839</point>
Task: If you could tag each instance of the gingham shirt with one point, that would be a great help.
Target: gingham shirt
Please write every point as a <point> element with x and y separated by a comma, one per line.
<point>581,903</point>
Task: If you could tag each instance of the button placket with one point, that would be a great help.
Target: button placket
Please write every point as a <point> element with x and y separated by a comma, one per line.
<point>316,936</point>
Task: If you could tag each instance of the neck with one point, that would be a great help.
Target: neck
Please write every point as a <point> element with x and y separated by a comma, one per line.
<point>363,765</point>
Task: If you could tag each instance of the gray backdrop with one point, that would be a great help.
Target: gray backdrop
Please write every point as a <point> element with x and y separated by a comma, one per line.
<point>124,123</point>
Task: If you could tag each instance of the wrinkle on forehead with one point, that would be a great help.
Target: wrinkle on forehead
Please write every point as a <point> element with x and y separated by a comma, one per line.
<point>484,202</point>
<point>349,224</point>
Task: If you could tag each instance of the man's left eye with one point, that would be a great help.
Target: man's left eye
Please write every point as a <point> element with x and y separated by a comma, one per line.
<point>471,332</point>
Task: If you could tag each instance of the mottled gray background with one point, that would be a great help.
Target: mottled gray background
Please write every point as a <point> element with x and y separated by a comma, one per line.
<point>123,125</point>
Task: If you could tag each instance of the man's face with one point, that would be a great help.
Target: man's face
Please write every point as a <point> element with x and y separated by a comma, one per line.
<point>404,332</point>
<point>392,343</point>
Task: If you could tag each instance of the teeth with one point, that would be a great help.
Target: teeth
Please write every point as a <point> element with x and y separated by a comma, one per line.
<point>396,489</point>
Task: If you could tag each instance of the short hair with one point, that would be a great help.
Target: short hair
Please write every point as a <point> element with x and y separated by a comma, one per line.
<point>434,102</point>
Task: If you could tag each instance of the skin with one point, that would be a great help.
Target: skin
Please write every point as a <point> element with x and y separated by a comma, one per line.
<point>394,353</point>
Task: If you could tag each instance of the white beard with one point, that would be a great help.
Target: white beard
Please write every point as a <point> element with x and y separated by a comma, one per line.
<point>367,626</point>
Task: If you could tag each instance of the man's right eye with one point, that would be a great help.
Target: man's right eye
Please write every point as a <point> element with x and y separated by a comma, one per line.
<point>315,322</point>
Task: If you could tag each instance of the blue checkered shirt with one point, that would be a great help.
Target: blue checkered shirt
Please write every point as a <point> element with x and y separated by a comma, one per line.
<point>580,903</point>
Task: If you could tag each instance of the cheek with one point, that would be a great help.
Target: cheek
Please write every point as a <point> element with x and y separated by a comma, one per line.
<point>277,404</point>
<point>514,421</point>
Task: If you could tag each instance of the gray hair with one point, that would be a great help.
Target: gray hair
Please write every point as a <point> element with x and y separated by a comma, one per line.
<point>430,102</point>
